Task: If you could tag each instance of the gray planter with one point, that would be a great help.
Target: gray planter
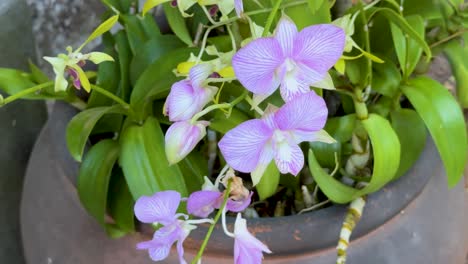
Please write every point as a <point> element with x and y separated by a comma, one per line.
<point>413,220</point>
<point>20,124</point>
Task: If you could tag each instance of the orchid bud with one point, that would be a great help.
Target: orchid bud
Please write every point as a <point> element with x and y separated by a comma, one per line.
<point>182,137</point>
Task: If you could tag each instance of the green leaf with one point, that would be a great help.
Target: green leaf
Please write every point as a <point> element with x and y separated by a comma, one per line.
<point>458,58</point>
<point>341,128</point>
<point>222,124</point>
<point>120,202</point>
<point>386,153</point>
<point>177,23</point>
<point>143,160</point>
<point>101,29</point>
<point>386,78</point>
<point>14,81</point>
<point>37,75</point>
<point>325,153</point>
<point>314,5</point>
<point>156,80</point>
<point>444,119</point>
<point>194,167</point>
<point>94,176</point>
<point>151,51</point>
<point>408,50</point>
<point>398,20</point>
<point>80,127</point>
<point>269,182</point>
<point>305,16</point>
<point>125,57</point>
<point>412,136</point>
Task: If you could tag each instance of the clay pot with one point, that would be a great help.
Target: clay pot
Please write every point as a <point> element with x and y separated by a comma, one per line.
<point>20,123</point>
<point>413,220</point>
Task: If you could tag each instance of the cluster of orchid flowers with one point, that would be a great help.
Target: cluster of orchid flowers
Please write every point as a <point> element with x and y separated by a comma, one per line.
<point>291,60</point>
<point>161,210</point>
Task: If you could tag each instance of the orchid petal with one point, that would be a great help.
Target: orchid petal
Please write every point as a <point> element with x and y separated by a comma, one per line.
<point>255,65</point>
<point>266,157</point>
<point>225,6</point>
<point>199,73</point>
<point>161,207</point>
<point>247,248</point>
<point>58,65</point>
<point>182,137</point>
<point>321,136</point>
<point>306,112</point>
<point>285,33</point>
<point>184,100</point>
<point>325,83</point>
<point>317,48</point>
<point>239,7</point>
<point>289,157</point>
<point>239,205</point>
<point>203,203</point>
<point>98,57</point>
<point>83,78</point>
<point>160,252</point>
<point>243,145</point>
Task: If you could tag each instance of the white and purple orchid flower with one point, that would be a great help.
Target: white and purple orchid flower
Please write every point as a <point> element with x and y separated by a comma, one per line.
<point>161,208</point>
<point>182,137</point>
<point>247,248</point>
<point>252,145</point>
<point>189,96</point>
<point>290,59</point>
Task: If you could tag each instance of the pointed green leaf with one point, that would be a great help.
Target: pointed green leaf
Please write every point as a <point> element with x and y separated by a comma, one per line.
<point>177,23</point>
<point>37,74</point>
<point>149,4</point>
<point>125,56</point>
<point>80,127</point>
<point>94,177</point>
<point>412,134</point>
<point>144,161</point>
<point>444,119</point>
<point>101,29</point>
<point>398,20</point>
<point>194,167</point>
<point>408,50</point>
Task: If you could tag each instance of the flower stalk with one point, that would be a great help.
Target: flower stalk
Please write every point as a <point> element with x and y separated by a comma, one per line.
<point>215,220</point>
<point>25,92</point>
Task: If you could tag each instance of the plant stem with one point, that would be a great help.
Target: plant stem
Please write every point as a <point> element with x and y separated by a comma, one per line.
<point>442,41</point>
<point>23,93</point>
<point>270,18</point>
<point>219,106</point>
<point>216,219</point>
<point>110,95</point>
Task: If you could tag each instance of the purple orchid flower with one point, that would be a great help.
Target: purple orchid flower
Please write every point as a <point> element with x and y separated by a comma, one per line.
<point>182,137</point>
<point>247,248</point>
<point>161,208</point>
<point>163,239</point>
<point>203,203</point>
<point>252,145</point>
<point>239,7</point>
<point>290,59</point>
<point>188,97</point>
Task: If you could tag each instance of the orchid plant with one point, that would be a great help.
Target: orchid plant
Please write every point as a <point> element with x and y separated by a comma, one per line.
<point>295,105</point>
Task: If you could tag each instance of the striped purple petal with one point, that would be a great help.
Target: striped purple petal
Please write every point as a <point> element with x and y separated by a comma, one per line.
<point>161,207</point>
<point>243,145</point>
<point>255,65</point>
<point>203,203</point>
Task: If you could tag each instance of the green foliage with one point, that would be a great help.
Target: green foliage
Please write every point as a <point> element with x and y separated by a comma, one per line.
<point>444,119</point>
<point>269,182</point>
<point>144,163</point>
